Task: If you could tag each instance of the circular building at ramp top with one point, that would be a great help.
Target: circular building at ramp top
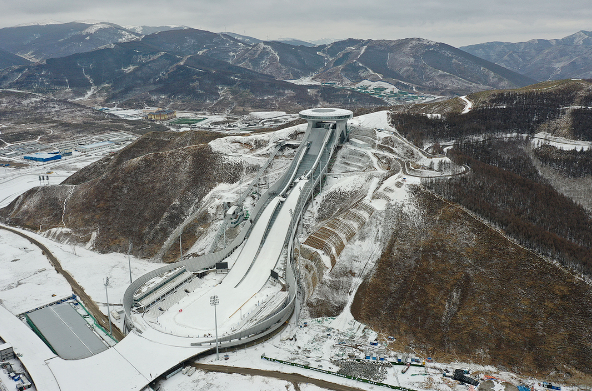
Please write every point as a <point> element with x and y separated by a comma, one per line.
<point>328,118</point>
<point>326,114</point>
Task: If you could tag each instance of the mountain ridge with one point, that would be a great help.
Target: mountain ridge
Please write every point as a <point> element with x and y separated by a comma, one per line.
<point>161,69</point>
<point>542,59</point>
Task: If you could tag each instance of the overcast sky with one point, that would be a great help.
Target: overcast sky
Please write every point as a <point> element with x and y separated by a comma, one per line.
<point>456,22</point>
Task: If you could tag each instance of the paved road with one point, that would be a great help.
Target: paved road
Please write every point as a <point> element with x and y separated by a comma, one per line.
<point>291,377</point>
<point>76,288</point>
<point>404,163</point>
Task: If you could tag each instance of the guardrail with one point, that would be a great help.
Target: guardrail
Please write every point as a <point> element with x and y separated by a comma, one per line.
<point>360,379</point>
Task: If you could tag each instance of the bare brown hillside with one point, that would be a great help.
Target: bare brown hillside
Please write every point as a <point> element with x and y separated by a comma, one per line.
<point>137,194</point>
<point>452,288</point>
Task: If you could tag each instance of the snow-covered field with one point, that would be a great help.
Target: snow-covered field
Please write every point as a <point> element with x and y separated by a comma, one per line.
<point>318,345</point>
<point>560,142</point>
<point>131,114</point>
<point>537,140</point>
<point>15,181</point>
<point>215,381</point>
<point>27,279</point>
<point>30,281</point>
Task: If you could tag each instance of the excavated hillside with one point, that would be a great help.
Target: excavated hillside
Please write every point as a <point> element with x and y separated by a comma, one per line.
<point>452,288</point>
<point>139,194</point>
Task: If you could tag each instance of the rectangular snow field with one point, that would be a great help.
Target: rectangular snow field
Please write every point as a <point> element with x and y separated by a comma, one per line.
<point>67,332</point>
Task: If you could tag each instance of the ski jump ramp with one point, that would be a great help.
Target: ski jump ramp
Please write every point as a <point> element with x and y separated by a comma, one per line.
<point>255,298</point>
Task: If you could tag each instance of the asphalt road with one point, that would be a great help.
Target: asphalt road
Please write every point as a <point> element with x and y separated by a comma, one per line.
<point>290,377</point>
<point>76,288</point>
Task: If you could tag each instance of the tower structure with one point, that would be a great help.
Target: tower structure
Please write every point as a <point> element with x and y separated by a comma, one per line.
<point>328,118</point>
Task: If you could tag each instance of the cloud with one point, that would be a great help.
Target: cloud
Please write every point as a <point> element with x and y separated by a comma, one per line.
<point>458,23</point>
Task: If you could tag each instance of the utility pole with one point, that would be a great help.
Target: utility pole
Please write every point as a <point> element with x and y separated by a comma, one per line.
<point>129,261</point>
<point>181,245</point>
<point>321,173</point>
<point>215,301</point>
<point>108,310</point>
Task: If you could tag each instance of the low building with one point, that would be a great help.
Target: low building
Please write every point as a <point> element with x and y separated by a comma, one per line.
<point>6,351</point>
<point>66,151</point>
<point>43,157</point>
<point>94,147</point>
<point>161,115</point>
<point>65,331</point>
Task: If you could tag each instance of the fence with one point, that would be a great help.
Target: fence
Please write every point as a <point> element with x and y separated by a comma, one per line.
<point>337,374</point>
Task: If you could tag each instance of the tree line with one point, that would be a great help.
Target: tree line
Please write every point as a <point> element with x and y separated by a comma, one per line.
<point>502,113</point>
<point>572,163</point>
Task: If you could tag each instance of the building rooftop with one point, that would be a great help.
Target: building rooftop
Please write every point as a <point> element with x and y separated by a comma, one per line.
<point>95,145</point>
<point>165,111</point>
<point>42,155</point>
<point>326,114</point>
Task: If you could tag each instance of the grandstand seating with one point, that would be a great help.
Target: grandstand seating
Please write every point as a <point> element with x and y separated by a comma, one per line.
<point>162,290</point>
<point>166,302</point>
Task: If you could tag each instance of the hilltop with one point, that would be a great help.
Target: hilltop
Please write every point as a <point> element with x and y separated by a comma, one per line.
<point>541,59</point>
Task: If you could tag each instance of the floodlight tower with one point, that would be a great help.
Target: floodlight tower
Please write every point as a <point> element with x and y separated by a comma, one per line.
<point>215,301</point>
<point>108,312</point>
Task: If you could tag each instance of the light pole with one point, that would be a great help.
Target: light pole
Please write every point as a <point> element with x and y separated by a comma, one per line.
<point>129,262</point>
<point>108,311</point>
<point>181,245</point>
<point>215,301</point>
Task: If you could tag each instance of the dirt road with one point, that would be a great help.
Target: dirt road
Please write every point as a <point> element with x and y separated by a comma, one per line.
<point>76,288</point>
<point>290,377</point>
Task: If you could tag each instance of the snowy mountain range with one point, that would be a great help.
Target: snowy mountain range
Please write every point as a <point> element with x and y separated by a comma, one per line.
<point>191,67</point>
<point>40,41</point>
<point>542,59</point>
<point>538,59</point>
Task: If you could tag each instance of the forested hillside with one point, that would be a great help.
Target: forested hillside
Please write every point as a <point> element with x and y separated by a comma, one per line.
<point>131,196</point>
<point>561,108</point>
<point>449,287</point>
<point>574,164</point>
<point>504,185</point>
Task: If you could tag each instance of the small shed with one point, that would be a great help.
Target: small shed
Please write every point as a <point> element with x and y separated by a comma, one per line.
<point>6,351</point>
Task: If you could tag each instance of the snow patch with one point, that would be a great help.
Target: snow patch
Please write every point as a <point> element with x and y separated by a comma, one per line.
<point>560,142</point>
<point>96,27</point>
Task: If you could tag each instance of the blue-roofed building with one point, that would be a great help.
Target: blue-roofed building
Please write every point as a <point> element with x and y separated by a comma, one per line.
<point>43,157</point>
